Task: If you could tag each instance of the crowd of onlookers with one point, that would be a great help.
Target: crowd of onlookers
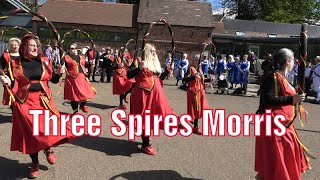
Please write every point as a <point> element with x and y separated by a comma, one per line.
<point>229,71</point>
<point>226,71</point>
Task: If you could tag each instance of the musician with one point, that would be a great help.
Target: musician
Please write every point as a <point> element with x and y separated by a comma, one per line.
<point>280,157</point>
<point>244,73</point>
<point>32,73</point>
<point>77,87</point>
<point>231,70</point>
<point>292,75</point>
<point>236,71</point>
<point>308,77</point>
<point>93,58</point>
<point>316,79</point>
<point>106,65</point>
<point>148,94</point>
<point>196,100</point>
<point>266,64</point>
<point>56,57</point>
<point>182,68</point>
<point>211,65</point>
<point>252,58</point>
<point>221,65</point>
<point>205,66</point>
<point>167,63</point>
<point>6,65</point>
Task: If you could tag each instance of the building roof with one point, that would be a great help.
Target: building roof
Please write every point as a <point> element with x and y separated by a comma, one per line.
<point>91,13</point>
<point>6,6</point>
<point>22,20</point>
<point>176,12</point>
<point>268,27</point>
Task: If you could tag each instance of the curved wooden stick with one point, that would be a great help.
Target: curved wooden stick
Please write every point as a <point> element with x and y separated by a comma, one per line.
<point>135,47</point>
<point>171,33</point>
<point>80,31</point>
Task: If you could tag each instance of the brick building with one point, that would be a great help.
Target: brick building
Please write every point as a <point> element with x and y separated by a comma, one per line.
<point>234,36</point>
<point>190,23</point>
<point>113,24</point>
<point>108,24</point>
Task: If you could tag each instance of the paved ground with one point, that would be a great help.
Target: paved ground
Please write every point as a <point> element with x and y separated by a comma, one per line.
<point>195,157</point>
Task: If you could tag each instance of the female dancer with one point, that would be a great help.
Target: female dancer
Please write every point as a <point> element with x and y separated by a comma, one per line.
<point>32,73</point>
<point>148,94</point>
<point>280,157</point>
<point>77,87</point>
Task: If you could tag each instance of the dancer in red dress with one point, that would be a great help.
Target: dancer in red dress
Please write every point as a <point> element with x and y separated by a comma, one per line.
<point>32,74</point>
<point>147,93</point>
<point>121,85</point>
<point>6,65</point>
<point>280,157</point>
<point>196,100</point>
<point>77,87</point>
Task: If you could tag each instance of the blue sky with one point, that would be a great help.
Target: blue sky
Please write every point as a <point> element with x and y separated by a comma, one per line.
<point>215,3</point>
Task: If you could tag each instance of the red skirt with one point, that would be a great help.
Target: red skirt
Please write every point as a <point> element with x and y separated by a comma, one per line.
<point>196,102</point>
<point>156,101</point>
<point>22,138</point>
<point>121,84</point>
<point>5,97</point>
<point>280,158</point>
<point>78,89</point>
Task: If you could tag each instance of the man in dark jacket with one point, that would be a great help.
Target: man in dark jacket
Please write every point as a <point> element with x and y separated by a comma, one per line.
<point>106,65</point>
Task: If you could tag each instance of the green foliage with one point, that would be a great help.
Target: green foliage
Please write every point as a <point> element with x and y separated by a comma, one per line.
<point>285,11</point>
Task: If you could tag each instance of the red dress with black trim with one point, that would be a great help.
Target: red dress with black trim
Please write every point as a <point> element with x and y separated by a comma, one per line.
<point>7,58</point>
<point>196,100</point>
<point>281,157</point>
<point>77,86</point>
<point>22,129</point>
<point>148,94</point>
<point>121,84</point>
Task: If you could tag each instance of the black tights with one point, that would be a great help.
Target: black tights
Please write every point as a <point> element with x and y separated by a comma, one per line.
<point>34,156</point>
<point>123,96</point>
<point>177,81</point>
<point>195,125</point>
<point>145,140</point>
<point>75,105</point>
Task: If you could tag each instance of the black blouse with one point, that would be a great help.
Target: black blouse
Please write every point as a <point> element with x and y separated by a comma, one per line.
<point>33,70</point>
<point>267,94</point>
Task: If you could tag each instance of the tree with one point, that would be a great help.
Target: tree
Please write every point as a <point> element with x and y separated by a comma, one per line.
<point>286,11</point>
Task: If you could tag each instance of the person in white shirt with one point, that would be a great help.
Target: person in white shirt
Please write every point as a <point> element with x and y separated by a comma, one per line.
<point>316,79</point>
<point>182,68</point>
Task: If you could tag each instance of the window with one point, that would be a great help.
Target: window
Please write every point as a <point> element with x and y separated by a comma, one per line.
<point>46,34</point>
<point>272,35</point>
<point>239,33</point>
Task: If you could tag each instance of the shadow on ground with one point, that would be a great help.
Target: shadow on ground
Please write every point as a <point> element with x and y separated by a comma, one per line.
<point>12,169</point>
<point>92,104</point>
<point>153,174</point>
<point>110,146</point>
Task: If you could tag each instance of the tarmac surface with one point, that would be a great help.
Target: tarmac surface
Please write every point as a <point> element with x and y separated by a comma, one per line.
<point>193,157</point>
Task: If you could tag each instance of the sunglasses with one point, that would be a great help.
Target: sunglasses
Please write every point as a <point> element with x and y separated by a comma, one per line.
<point>72,48</point>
